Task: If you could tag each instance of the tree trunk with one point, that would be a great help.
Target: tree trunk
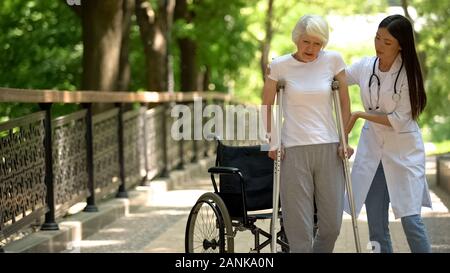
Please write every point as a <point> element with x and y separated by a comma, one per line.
<point>102,39</point>
<point>154,26</point>
<point>203,78</point>
<point>123,80</point>
<point>188,50</point>
<point>265,44</point>
<point>189,71</point>
<point>405,9</point>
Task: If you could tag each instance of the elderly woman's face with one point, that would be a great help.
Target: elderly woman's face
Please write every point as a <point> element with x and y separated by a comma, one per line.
<point>308,47</point>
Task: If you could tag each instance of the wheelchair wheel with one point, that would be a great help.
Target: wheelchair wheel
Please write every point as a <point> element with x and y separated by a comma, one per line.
<point>209,227</point>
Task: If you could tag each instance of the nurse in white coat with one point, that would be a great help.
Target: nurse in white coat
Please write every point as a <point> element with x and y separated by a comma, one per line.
<point>390,160</point>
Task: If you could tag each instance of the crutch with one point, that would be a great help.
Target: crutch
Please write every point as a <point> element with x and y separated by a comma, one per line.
<point>348,181</point>
<point>277,167</point>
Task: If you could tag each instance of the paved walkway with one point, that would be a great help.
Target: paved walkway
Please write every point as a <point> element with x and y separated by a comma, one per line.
<point>158,223</point>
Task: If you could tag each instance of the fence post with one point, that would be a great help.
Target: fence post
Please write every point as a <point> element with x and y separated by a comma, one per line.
<point>180,165</point>
<point>206,141</point>
<point>438,182</point>
<point>122,192</point>
<point>91,206</point>
<point>50,223</point>
<point>165,171</point>
<point>195,156</point>
<point>144,140</point>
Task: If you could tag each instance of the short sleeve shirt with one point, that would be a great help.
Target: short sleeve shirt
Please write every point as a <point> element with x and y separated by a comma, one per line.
<point>307,101</point>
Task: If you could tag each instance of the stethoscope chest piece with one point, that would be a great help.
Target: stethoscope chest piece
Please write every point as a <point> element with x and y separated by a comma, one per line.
<point>396,97</point>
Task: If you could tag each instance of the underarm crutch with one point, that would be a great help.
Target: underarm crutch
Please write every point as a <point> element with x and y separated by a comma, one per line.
<point>348,181</point>
<point>277,167</point>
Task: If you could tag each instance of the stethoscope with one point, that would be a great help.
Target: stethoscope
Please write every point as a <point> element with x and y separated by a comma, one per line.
<point>395,97</point>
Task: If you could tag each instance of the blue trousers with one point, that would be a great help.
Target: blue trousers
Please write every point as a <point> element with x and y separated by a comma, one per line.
<point>377,207</point>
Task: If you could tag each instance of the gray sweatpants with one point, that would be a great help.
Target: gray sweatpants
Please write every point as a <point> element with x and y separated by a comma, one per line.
<point>307,173</point>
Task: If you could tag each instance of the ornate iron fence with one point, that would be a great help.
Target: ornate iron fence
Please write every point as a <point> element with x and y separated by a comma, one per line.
<point>69,161</point>
<point>22,173</point>
<point>47,165</point>
<point>106,153</point>
<point>154,140</point>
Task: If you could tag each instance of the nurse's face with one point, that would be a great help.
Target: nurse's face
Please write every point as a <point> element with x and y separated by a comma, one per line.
<point>386,46</point>
<point>308,47</point>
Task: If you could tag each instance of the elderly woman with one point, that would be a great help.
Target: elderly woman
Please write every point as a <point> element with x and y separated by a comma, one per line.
<point>311,170</point>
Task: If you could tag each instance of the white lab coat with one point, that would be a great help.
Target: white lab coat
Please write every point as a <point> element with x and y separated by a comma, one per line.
<point>400,147</point>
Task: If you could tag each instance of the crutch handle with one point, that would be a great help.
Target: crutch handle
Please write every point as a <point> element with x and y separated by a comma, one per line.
<point>280,85</point>
<point>335,88</point>
<point>335,85</point>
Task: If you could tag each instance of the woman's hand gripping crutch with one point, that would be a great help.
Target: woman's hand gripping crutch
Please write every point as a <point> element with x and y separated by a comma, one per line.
<point>348,181</point>
<point>277,167</point>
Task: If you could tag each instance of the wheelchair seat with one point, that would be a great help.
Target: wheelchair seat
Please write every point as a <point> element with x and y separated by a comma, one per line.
<point>252,190</point>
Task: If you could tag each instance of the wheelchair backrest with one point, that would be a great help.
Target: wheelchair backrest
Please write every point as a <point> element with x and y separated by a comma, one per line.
<point>257,170</point>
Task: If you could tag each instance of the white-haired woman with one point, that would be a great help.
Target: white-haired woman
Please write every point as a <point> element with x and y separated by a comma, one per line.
<point>311,170</point>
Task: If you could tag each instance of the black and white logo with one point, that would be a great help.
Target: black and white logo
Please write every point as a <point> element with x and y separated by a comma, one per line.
<point>73,2</point>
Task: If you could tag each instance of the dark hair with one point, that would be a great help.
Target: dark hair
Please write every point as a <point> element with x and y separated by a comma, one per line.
<point>402,30</point>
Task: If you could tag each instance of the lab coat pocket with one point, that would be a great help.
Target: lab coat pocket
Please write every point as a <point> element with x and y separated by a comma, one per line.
<point>410,146</point>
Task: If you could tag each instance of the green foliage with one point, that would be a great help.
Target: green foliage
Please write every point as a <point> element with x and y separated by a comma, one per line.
<point>41,48</point>
<point>442,147</point>
<point>434,42</point>
<point>137,59</point>
<point>219,29</point>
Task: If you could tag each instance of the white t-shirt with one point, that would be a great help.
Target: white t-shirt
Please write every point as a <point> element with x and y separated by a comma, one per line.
<point>307,101</point>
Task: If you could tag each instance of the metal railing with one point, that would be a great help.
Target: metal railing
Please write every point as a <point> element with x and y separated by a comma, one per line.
<point>47,165</point>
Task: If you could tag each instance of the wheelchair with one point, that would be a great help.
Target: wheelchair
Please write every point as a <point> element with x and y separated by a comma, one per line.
<point>243,192</point>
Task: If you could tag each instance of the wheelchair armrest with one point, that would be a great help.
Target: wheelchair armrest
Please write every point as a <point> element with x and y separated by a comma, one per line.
<point>231,171</point>
<point>224,170</point>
